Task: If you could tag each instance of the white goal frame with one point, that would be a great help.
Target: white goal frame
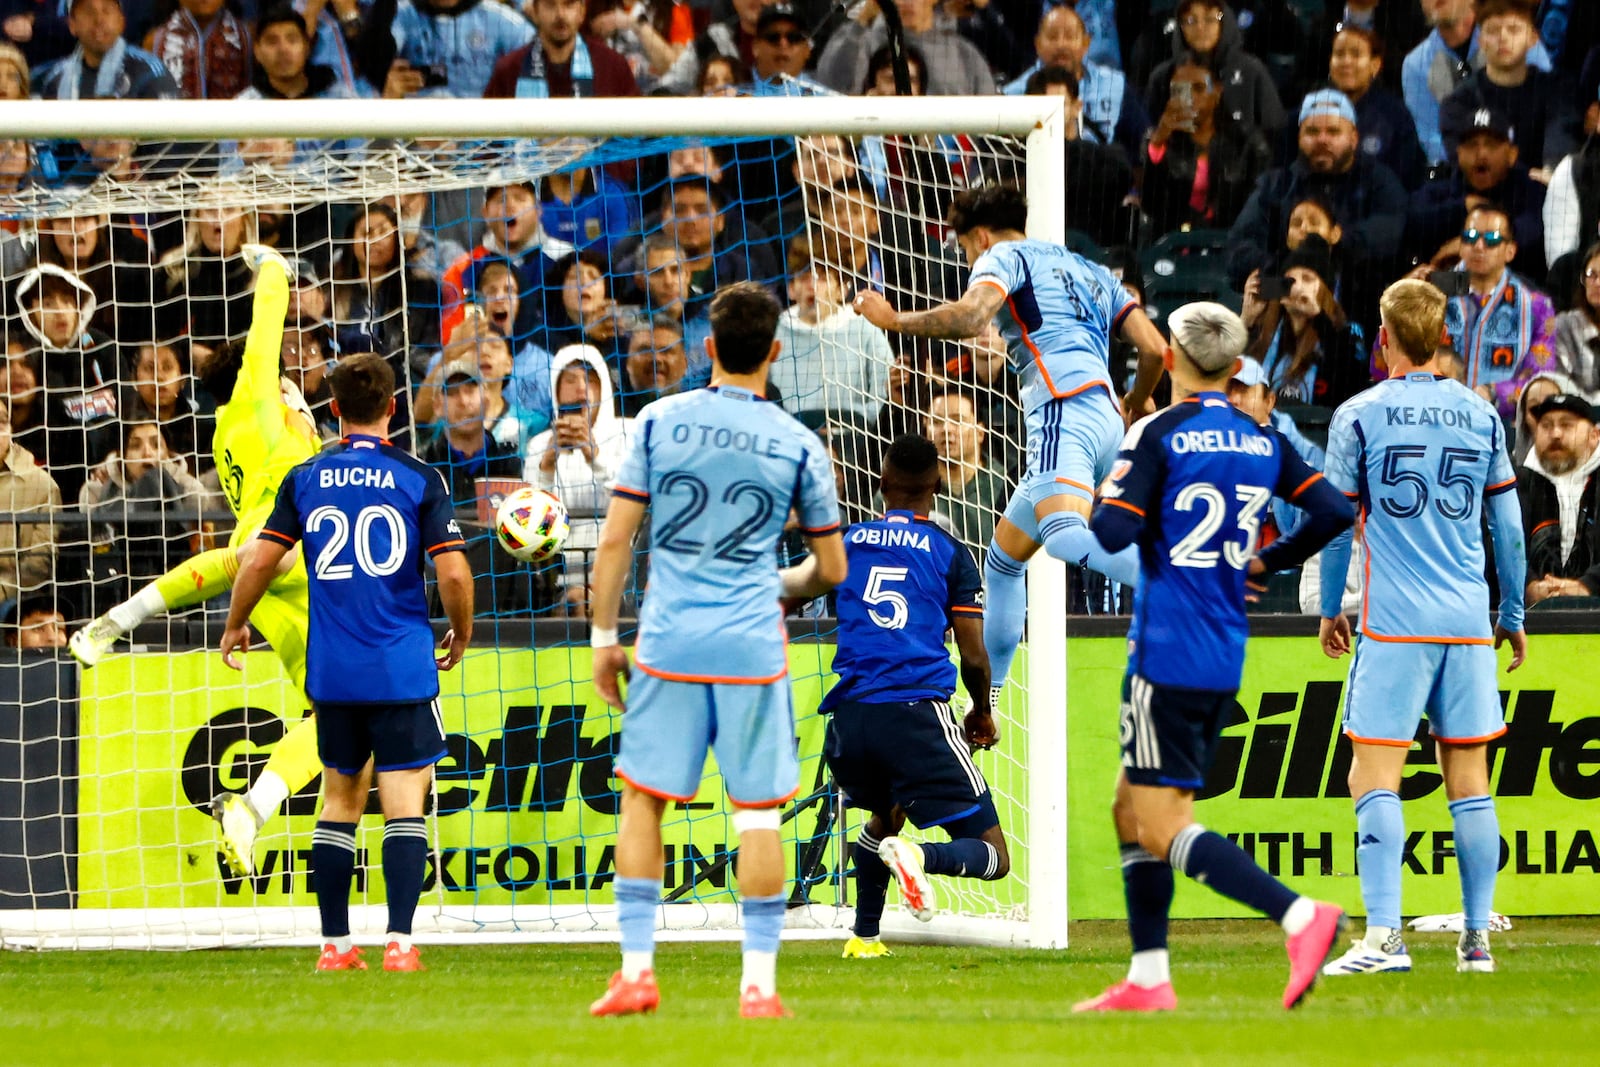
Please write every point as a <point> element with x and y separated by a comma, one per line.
<point>1039,120</point>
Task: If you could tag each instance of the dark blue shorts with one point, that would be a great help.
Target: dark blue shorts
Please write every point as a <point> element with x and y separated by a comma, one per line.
<point>912,755</point>
<point>1169,734</point>
<point>397,737</point>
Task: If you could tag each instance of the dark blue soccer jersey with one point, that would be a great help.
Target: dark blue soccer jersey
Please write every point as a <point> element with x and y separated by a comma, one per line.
<point>1198,477</point>
<point>908,580</point>
<point>367,513</point>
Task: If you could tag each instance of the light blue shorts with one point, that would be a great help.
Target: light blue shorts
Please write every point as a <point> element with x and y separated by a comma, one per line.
<point>1394,684</point>
<point>1072,444</point>
<point>669,726</point>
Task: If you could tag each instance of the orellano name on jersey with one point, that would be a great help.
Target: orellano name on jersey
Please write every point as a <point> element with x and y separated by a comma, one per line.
<point>891,537</point>
<point>355,477</point>
<point>1250,444</point>
<point>1429,417</point>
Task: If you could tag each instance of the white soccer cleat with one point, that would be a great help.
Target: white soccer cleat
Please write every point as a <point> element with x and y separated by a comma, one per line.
<point>90,644</point>
<point>1472,953</point>
<point>256,255</point>
<point>904,860</point>
<point>237,823</point>
<point>1365,958</point>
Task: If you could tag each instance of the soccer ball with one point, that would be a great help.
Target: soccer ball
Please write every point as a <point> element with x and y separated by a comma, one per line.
<point>531,525</point>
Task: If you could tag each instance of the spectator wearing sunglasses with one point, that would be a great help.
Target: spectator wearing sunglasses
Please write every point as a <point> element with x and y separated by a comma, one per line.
<point>1503,328</point>
<point>1488,168</point>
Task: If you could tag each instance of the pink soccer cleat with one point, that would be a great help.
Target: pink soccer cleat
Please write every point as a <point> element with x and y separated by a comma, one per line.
<point>622,997</point>
<point>1125,996</point>
<point>753,1004</point>
<point>1309,950</point>
<point>334,960</point>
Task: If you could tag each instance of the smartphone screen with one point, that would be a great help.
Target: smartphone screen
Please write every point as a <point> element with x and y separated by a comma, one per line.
<point>1274,287</point>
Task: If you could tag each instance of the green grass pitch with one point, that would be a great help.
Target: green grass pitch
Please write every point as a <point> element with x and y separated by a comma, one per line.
<point>526,1005</point>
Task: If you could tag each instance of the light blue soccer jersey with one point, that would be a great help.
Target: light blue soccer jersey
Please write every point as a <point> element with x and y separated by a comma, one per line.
<point>1419,454</point>
<point>1060,314</point>
<point>721,469</point>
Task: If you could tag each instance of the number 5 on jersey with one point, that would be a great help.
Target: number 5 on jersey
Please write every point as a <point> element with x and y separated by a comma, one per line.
<point>877,594</point>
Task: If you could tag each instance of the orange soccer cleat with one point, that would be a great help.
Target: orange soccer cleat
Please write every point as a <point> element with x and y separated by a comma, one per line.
<point>395,960</point>
<point>623,997</point>
<point>334,960</point>
<point>753,1004</point>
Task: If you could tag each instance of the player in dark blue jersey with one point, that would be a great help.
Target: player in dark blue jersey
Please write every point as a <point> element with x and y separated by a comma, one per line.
<point>369,514</point>
<point>894,746</point>
<point>1190,488</point>
<point>719,470</point>
<point>1058,313</point>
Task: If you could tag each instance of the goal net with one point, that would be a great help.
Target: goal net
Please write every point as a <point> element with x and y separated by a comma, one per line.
<point>534,276</point>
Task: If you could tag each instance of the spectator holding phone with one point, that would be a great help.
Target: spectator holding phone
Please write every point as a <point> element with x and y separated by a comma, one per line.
<point>1309,349</point>
<point>578,457</point>
<point>450,47</point>
<point>1503,327</point>
<point>1200,163</point>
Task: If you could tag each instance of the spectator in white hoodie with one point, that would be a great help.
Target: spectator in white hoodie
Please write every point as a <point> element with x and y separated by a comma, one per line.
<point>577,458</point>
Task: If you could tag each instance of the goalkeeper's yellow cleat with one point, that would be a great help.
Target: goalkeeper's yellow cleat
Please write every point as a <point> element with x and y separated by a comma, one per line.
<point>857,949</point>
<point>236,821</point>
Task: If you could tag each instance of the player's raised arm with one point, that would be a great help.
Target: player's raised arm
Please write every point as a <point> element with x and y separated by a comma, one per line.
<point>953,321</point>
<point>263,345</point>
<point>1139,331</point>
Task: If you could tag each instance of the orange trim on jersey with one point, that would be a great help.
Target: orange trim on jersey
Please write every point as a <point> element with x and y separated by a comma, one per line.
<point>708,679</point>
<point>967,609</point>
<point>997,285</point>
<point>1076,485</point>
<point>637,494</point>
<point>1303,486</point>
<point>1366,600</point>
<point>820,531</point>
<point>275,535</point>
<point>1384,741</point>
<point>1123,504</point>
<point>1499,485</point>
<point>1038,356</point>
<point>658,794</point>
<point>447,544</point>
<point>1468,740</point>
<point>1351,496</point>
<point>759,805</point>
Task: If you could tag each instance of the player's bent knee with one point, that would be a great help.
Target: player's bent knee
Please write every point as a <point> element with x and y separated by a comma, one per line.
<point>747,819</point>
<point>1157,840</point>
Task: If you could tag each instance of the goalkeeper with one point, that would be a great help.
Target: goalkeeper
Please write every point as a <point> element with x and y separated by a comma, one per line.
<point>264,429</point>
<point>893,745</point>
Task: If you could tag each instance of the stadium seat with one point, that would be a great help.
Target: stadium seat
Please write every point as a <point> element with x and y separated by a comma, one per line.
<point>1311,420</point>
<point>1200,251</point>
<point>1164,294</point>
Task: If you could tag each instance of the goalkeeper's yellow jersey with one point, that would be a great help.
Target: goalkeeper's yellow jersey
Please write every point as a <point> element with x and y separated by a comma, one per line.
<point>259,438</point>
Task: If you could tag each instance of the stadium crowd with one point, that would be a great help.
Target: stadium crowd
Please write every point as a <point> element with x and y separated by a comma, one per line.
<point>1287,157</point>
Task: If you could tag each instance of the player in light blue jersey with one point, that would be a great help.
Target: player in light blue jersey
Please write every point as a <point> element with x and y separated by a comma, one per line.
<point>719,471</point>
<point>1058,313</point>
<point>1419,452</point>
<point>369,513</point>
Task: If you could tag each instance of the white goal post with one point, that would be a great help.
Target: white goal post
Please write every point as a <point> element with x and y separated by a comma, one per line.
<point>1035,714</point>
